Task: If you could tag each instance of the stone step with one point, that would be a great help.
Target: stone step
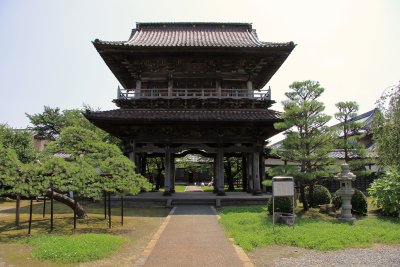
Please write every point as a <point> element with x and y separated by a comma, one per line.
<point>194,198</point>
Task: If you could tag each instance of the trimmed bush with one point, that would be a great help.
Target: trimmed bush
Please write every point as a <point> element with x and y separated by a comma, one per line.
<point>282,204</point>
<point>358,202</point>
<point>321,196</point>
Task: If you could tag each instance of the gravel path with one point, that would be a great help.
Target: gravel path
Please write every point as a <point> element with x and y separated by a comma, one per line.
<point>378,255</point>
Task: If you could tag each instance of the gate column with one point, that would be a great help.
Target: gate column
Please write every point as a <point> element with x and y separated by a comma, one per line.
<point>167,177</point>
<point>220,172</point>
<point>133,156</point>
<point>172,174</point>
<point>249,167</point>
<point>256,173</point>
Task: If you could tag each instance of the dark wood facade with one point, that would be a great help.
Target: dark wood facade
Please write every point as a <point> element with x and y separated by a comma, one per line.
<point>193,87</point>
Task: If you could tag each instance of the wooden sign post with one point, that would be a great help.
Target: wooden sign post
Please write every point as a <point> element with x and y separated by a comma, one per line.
<point>282,186</point>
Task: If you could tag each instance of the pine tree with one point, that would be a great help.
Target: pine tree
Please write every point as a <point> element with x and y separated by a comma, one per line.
<point>350,137</point>
<point>308,140</point>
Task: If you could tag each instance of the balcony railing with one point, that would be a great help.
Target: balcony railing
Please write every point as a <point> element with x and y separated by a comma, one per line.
<point>201,93</point>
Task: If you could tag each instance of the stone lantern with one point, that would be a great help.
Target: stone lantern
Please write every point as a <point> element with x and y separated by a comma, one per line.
<point>346,191</point>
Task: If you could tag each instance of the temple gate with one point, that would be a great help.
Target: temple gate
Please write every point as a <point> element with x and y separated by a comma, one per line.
<point>193,87</point>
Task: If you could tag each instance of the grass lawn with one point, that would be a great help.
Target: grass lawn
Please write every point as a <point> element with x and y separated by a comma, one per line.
<point>251,227</point>
<point>180,188</point>
<point>93,241</point>
<point>74,248</point>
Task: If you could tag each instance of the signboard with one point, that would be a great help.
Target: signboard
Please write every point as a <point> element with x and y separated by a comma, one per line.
<point>282,186</point>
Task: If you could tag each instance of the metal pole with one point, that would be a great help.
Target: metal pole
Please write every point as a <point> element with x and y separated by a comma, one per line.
<point>105,205</point>
<point>51,210</point>
<point>44,207</point>
<point>75,206</point>
<point>109,210</point>
<point>30,218</point>
<point>17,210</point>
<point>293,209</point>
<point>273,211</point>
<point>122,210</point>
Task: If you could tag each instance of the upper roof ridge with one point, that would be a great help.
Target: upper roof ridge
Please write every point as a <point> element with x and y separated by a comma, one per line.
<point>195,34</point>
<point>140,25</point>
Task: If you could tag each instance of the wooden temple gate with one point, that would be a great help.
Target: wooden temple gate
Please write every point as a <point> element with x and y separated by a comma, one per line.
<point>200,91</point>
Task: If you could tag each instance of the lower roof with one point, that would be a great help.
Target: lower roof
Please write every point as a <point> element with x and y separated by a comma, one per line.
<point>192,115</point>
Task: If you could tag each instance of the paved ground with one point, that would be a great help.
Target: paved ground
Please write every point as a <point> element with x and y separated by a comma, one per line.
<point>193,188</point>
<point>197,194</point>
<point>192,237</point>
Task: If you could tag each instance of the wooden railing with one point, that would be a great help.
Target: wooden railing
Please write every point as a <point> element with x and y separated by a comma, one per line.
<point>201,93</point>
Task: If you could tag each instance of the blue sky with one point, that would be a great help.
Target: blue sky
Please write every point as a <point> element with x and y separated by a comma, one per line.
<point>47,58</point>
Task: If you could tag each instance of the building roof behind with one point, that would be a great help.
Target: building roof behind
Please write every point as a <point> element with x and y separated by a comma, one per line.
<point>364,119</point>
<point>186,34</point>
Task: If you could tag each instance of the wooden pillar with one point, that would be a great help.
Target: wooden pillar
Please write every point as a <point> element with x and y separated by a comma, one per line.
<point>250,89</point>
<point>244,173</point>
<point>167,177</point>
<point>220,172</point>
<point>136,158</point>
<point>138,88</point>
<point>132,154</point>
<point>170,85</point>
<point>172,174</point>
<point>138,162</point>
<point>218,85</point>
<point>143,164</point>
<point>215,190</point>
<point>256,173</point>
<point>249,167</point>
<point>262,171</point>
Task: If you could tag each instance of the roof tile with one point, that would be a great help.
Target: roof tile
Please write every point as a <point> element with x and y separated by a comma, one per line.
<point>185,115</point>
<point>194,35</point>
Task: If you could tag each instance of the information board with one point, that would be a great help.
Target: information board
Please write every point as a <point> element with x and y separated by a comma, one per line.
<point>282,186</point>
<point>283,189</point>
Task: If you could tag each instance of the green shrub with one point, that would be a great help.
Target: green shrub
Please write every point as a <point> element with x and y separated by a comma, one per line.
<point>321,196</point>
<point>385,193</point>
<point>359,202</point>
<point>282,204</point>
<point>267,182</point>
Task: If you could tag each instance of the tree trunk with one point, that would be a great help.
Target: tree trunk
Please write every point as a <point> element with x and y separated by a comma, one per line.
<point>303,197</point>
<point>80,212</point>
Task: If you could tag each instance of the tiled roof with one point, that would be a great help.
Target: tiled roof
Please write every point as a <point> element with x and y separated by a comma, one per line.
<point>184,115</point>
<point>339,154</point>
<point>194,35</point>
<point>364,119</point>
